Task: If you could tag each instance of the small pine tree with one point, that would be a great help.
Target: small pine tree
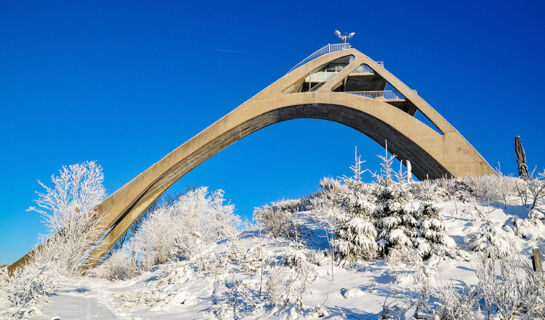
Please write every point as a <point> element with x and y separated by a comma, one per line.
<point>396,217</point>
<point>490,239</point>
<point>403,221</point>
<point>356,233</point>
<point>432,238</point>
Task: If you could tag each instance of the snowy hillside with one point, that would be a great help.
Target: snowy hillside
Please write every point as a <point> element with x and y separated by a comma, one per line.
<point>392,249</point>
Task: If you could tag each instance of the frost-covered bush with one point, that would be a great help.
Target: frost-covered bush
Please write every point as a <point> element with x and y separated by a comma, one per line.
<point>507,288</point>
<point>21,292</point>
<point>492,187</point>
<point>286,285</point>
<point>330,185</point>
<point>294,258</point>
<point>277,218</point>
<point>510,288</point>
<point>402,220</point>
<point>491,240</point>
<point>120,265</point>
<point>532,189</point>
<point>233,299</point>
<point>179,230</point>
<point>487,188</point>
<point>174,230</point>
<point>531,228</point>
<point>447,303</point>
<point>396,217</point>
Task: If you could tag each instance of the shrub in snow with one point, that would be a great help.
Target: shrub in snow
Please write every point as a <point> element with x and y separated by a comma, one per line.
<point>278,218</point>
<point>531,190</point>
<point>488,188</point>
<point>531,228</point>
<point>294,258</point>
<point>510,288</point>
<point>120,265</point>
<point>286,285</point>
<point>432,239</point>
<point>371,219</point>
<point>177,230</point>
<point>349,207</point>
<point>402,220</point>
<point>235,299</point>
<point>395,215</point>
<point>449,303</point>
<point>21,292</point>
<point>492,187</point>
<point>402,257</point>
<point>330,185</point>
<point>491,238</point>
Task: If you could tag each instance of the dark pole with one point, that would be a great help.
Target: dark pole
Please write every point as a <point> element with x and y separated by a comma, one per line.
<point>521,159</point>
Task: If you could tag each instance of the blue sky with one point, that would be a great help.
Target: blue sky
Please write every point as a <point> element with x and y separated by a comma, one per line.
<point>126,82</point>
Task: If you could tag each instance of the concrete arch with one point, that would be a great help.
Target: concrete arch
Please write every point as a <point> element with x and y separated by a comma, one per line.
<point>432,154</point>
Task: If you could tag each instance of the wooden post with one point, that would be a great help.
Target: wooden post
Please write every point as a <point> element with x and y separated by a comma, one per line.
<point>521,159</point>
<point>536,260</point>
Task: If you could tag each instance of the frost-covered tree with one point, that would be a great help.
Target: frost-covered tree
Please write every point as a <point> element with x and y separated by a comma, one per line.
<point>402,220</point>
<point>67,210</point>
<point>355,232</point>
<point>356,239</point>
<point>432,239</point>
<point>370,219</point>
<point>396,216</point>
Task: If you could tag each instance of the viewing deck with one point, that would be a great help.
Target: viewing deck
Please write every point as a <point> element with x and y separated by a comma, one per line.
<point>362,81</point>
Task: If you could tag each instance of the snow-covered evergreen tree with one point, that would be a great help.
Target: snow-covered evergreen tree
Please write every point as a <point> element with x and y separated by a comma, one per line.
<point>396,217</point>
<point>431,229</point>
<point>490,239</point>
<point>356,233</point>
<point>402,220</point>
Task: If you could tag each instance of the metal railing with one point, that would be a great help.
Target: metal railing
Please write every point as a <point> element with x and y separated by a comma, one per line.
<point>325,50</point>
<point>379,94</point>
<point>365,69</point>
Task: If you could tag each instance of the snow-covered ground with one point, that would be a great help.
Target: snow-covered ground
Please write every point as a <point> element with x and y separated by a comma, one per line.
<point>239,278</point>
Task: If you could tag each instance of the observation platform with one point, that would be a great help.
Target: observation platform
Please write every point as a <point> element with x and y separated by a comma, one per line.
<point>363,81</point>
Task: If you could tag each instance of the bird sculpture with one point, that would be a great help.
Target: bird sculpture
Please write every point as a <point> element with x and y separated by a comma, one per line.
<point>345,36</point>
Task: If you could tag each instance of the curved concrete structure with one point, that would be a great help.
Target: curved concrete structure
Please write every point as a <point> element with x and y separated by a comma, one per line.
<point>432,154</point>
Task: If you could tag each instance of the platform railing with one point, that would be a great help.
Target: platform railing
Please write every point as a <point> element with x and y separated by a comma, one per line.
<point>379,94</point>
<point>365,69</point>
<point>322,51</point>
